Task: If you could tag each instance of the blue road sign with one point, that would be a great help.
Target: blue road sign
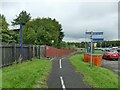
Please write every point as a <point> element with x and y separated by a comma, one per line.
<point>97,33</point>
<point>97,39</point>
<point>94,33</point>
<point>87,33</point>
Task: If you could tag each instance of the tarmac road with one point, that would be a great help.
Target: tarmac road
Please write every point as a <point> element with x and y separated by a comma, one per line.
<point>112,65</point>
<point>64,76</point>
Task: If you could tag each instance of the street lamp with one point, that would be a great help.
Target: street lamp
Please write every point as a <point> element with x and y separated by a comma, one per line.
<point>21,43</point>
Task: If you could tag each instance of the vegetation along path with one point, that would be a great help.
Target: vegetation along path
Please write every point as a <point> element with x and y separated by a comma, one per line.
<point>64,76</point>
<point>96,77</point>
<point>31,74</point>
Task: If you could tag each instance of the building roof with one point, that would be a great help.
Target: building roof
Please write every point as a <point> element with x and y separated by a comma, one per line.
<point>15,27</point>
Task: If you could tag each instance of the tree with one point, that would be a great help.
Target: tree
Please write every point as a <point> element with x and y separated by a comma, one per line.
<point>3,22</point>
<point>60,38</point>
<point>23,18</point>
<point>43,31</point>
<point>6,35</point>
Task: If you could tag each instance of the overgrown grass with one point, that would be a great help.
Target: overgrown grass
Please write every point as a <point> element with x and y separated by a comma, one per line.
<point>31,74</point>
<point>96,77</point>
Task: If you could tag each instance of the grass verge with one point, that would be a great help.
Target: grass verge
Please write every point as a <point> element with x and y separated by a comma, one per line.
<point>31,74</point>
<point>0,79</point>
<point>96,77</point>
<point>98,52</point>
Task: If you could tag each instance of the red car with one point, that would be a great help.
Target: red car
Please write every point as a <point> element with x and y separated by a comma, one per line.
<point>111,55</point>
<point>118,51</point>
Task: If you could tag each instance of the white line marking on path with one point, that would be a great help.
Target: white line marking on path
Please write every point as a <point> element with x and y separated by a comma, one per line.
<point>60,63</point>
<point>62,83</point>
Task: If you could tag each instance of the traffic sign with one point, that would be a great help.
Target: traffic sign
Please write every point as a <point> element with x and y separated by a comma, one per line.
<point>97,33</point>
<point>94,33</point>
<point>94,40</point>
<point>87,33</point>
<point>97,39</point>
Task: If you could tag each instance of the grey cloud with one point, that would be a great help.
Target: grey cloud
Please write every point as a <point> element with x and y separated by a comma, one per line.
<point>75,17</point>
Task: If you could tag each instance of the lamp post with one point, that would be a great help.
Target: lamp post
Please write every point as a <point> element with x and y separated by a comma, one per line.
<point>21,43</point>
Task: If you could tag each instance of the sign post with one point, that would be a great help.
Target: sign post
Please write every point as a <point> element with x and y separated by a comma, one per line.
<point>91,49</point>
<point>94,40</point>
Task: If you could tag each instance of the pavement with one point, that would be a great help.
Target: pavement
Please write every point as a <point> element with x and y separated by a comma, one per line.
<point>63,75</point>
<point>112,65</point>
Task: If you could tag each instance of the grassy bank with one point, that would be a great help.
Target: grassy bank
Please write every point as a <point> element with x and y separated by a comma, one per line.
<point>31,74</point>
<point>96,77</point>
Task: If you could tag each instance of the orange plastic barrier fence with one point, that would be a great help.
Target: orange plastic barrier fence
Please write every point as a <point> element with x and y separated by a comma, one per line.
<point>96,59</point>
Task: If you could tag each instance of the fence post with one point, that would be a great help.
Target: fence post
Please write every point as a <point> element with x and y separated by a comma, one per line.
<point>29,49</point>
<point>14,52</point>
<point>37,51</point>
<point>4,61</point>
<point>33,51</point>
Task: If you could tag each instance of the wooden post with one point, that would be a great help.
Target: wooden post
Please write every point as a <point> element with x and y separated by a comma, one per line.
<point>37,51</point>
<point>33,51</point>
<point>29,52</point>
<point>14,53</point>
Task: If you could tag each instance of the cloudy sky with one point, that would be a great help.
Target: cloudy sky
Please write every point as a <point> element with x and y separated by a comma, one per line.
<point>76,16</point>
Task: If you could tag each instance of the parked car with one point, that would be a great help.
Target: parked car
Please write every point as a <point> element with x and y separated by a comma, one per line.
<point>118,51</point>
<point>111,55</point>
<point>106,49</point>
